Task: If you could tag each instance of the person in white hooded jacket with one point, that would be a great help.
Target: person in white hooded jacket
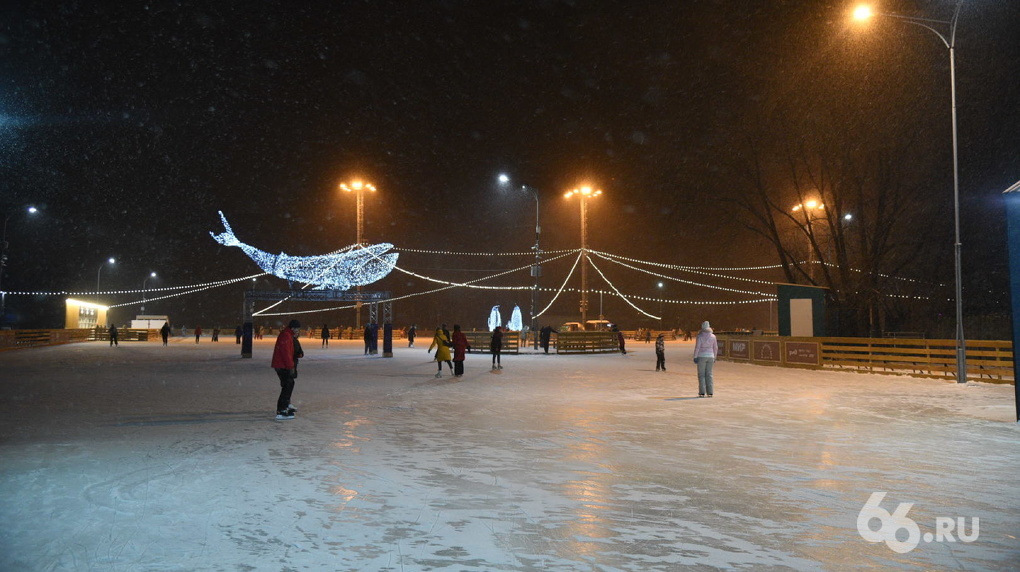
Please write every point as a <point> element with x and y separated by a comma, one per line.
<point>706,348</point>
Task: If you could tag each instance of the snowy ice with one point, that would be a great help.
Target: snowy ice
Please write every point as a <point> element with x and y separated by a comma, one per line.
<point>143,457</point>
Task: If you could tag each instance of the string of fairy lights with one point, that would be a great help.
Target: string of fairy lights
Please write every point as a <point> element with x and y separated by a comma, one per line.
<point>480,283</point>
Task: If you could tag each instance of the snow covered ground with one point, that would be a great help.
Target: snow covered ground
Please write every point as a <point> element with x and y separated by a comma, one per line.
<point>150,458</point>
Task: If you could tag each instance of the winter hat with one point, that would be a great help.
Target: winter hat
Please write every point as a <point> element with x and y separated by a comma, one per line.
<point>297,324</point>
<point>705,325</point>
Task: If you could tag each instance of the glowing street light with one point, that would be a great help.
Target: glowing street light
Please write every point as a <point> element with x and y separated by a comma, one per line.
<point>661,285</point>
<point>3,260</point>
<point>359,188</point>
<point>151,275</point>
<point>948,37</point>
<point>110,260</point>
<point>584,194</point>
<point>536,270</point>
<point>807,207</point>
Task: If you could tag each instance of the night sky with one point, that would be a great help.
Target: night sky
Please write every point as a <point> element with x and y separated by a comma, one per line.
<point>130,124</point>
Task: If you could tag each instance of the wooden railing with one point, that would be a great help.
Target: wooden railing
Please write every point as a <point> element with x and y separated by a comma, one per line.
<point>12,339</point>
<point>587,342</point>
<point>480,341</point>
<point>987,360</point>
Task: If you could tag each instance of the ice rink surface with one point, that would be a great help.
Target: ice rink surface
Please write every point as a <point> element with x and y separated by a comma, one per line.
<point>144,457</point>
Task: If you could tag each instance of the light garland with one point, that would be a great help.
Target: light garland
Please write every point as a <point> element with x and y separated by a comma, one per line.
<point>689,282</point>
<point>565,280</point>
<point>451,253</point>
<point>615,289</point>
<point>354,265</point>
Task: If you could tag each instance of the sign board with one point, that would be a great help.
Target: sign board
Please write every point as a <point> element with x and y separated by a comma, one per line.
<point>768,351</point>
<point>802,353</point>
<point>740,349</point>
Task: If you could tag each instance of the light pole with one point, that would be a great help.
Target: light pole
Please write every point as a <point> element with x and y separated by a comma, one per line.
<point>536,270</point>
<point>862,13</point>
<point>358,188</point>
<point>151,275</point>
<point>808,207</point>
<point>584,194</point>
<point>660,305</point>
<point>100,271</point>
<point>3,263</point>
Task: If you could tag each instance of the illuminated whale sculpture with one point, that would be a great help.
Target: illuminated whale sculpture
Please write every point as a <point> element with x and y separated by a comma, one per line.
<point>354,265</point>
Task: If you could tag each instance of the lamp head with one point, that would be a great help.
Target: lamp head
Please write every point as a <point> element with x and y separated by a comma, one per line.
<point>863,13</point>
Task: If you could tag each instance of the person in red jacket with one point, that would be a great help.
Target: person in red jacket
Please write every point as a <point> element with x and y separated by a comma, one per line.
<point>460,346</point>
<point>285,360</point>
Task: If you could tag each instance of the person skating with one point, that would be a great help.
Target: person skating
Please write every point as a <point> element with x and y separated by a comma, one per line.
<point>442,344</point>
<point>460,348</point>
<point>198,333</point>
<point>706,348</point>
<point>164,332</point>
<point>544,336</point>
<point>113,335</point>
<point>285,361</point>
<point>660,353</point>
<point>620,340</point>
<point>325,336</point>
<point>496,347</point>
<point>411,333</point>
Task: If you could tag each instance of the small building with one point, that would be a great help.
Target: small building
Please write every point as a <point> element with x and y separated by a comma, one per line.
<point>79,314</point>
<point>149,322</point>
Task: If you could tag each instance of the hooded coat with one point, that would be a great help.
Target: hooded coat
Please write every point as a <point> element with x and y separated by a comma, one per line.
<point>460,345</point>
<point>439,342</point>
<point>705,345</point>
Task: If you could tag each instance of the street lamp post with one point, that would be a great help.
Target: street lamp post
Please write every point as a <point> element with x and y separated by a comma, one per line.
<point>584,194</point>
<point>807,207</point>
<point>151,275</point>
<point>862,13</point>
<point>660,305</point>
<point>358,188</point>
<point>536,270</point>
<point>100,271</point>
<point>3,263</point>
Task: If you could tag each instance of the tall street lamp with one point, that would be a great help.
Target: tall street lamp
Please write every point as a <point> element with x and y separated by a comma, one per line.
<point>661,285</point>
<point>359,188</point>
<point>536,270</point>
<point>151,275</point>
<point>3,261</point>
<point>100,271</point>
<point>807,208</point>
<point>584,194</point>
<point>862,13</point>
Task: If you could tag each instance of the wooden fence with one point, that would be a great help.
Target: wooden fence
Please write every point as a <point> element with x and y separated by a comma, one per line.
<point>586,342</point>
<point>12,339</point>
<point>480,341</point>
<point>987,360</point>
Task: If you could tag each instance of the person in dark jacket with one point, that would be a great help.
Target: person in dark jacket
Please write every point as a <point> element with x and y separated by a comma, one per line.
<point>496,347</point>
<point>460,347</point>
<point>660,352</point>
<point>238,332</point>
<point>164,332</point>
<point>198,333</point>
<point>544,336</point>
<point>325,336</point>
<point>113,335</point>
<point>368,339</point>
<point>411,333</point>
<point>286,354</point>
<point>619,338</point>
